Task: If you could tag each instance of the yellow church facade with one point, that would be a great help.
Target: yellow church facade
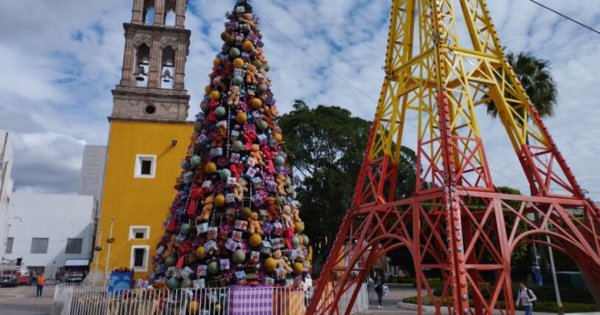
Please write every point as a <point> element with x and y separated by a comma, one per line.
<point>142,166</point>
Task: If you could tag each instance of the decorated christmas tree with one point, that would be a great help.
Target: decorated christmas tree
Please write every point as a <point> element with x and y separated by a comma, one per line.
<point>235,219</point>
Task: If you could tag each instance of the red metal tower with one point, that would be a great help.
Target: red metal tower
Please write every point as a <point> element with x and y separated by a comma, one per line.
<point>456,222</point>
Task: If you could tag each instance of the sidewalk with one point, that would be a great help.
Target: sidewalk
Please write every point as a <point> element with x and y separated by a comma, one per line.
<point>392,303</point>
<point>22,301</point>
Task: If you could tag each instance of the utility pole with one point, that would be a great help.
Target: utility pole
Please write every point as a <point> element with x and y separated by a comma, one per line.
<point>110,240</point>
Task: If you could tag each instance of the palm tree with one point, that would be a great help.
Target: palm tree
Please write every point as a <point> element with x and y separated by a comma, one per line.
<point>535,77</point>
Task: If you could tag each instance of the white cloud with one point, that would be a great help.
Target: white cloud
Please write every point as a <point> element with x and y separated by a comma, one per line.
<point>61,58</point>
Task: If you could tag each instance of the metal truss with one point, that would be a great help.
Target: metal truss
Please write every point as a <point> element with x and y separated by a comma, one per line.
<point>456,222</point>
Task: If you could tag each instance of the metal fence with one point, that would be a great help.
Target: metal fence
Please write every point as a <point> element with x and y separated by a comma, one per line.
<point>83,300</point>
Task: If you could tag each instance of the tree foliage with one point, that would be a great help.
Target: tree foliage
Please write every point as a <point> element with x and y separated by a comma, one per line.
<point>535,77</point>
<point>326,147</point>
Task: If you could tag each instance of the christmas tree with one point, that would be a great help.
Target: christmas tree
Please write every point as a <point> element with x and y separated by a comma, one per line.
<point>235,219</point>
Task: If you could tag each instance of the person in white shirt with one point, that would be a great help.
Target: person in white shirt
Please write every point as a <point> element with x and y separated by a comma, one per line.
<point>526,297</point>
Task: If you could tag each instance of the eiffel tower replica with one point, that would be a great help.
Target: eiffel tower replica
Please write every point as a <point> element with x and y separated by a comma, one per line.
<point>456,223</point>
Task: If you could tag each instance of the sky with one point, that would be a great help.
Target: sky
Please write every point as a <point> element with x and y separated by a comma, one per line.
<point>60,59</point>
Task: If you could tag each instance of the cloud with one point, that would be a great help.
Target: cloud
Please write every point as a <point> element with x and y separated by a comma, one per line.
<point>61,59</point>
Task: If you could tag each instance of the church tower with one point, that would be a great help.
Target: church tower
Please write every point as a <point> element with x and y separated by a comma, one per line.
<point>156,48</point>
<point>148,136</point>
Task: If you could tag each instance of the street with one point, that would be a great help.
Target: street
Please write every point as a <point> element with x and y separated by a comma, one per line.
<point>22,301</point>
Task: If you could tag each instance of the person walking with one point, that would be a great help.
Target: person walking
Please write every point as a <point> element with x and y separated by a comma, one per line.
<point>40,282</point>
<point>33,277</point>
<point>379,289</point>
<point>526,297</point>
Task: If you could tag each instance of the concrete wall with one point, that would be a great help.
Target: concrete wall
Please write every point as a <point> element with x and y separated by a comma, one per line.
<point>56,217</point>
<point>6,186</point>
<point>92,171</point>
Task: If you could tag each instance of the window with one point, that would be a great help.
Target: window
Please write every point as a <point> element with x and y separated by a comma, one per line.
<point>170,17</point>
<point>145,166</point>
<point>9,245</point>
<point>139,232</point>
<point>139,258</point>
<point>74,246</point>
<point>148,12</point>
<point>39,245</point>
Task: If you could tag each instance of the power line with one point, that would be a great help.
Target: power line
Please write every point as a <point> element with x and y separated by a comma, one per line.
<point>567,17</point>
<point>322,64</point>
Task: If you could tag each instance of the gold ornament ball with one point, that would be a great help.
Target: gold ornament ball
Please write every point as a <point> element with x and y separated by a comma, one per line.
<point>207,89</point>
<point>256,103</point>
<point>298,227</point>
<point>270,264</point>
<point>245,213</point>
<point>298,268</point>
<point>255,240</point>
<point>278,137</point>
<point>241,118</point>
<point>201,253</point>
<point>248,46</point>
<point>238,62</point>
<point>220,200</point>
<point>210,168</point>
<point>217,62</point>
<point>215,95</point>
<point>193,307</point>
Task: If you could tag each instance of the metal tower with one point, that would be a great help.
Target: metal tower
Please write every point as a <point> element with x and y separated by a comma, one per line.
<point>456,222</point>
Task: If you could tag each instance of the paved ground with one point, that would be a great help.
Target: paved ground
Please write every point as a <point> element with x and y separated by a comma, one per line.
<point>22,301</point>
<point>390,301</point>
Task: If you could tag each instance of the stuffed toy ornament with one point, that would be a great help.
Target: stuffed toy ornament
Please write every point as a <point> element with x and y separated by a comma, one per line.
<point>254,225</point>
<point>208,206</point>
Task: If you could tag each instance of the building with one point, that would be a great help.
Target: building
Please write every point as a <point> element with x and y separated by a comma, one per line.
<point>6,188</point>
<point>148,136</point>
<point>92,171</point>
<point>47,230</point>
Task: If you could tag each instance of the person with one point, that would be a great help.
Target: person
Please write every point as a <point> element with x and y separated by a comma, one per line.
<point>40,281</point>
<point>33,277</point>
<point>526,297</point>
<point>379,288</point>
<point>307,287</point>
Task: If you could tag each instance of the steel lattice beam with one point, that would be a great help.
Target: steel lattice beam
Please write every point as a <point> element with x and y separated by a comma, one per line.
<point>455,222</point>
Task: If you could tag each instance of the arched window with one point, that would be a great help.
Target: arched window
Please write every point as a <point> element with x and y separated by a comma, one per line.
<point>167,72</point>
<point>142,65</point>
<point>170,15</point>
<point>148,16</point>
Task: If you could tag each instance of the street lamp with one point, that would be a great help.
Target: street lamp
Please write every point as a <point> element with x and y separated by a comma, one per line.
<point>110,240</point>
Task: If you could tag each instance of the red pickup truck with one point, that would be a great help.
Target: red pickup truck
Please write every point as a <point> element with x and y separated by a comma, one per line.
<point>14,277</point>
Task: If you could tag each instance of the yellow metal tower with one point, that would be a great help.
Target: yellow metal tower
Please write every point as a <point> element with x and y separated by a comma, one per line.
<point>456,223</point>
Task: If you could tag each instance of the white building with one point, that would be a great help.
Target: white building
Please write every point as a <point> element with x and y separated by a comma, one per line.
<point>6,186</point>
<point>46,230</point>
<point>92,171</point>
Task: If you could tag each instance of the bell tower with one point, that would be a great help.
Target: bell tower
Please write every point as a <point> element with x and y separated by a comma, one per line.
<point>147,128</point>
<point>156,48</point>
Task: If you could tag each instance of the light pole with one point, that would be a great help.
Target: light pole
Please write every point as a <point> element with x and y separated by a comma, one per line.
<point>97,249</point>
<point>553,269</point>
<point>109,241</point>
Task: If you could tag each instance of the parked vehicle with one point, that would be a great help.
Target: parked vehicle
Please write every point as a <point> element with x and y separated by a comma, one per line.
<point>74,271</point>
<point>73,275</point>
<point>14,276</point>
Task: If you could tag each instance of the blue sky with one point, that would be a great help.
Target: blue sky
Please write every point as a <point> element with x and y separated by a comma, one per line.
<point>61,58</point>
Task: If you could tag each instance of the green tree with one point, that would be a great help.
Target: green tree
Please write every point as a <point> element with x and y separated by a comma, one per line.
<point>534,74</point>
<point>326,147</point>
